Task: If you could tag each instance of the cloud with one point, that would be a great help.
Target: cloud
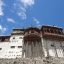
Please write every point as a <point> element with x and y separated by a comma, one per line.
<point>22,14</point>
<point>1,8</point>
<point>2,29</point>
<point>27,2</point>
<point>10,20</point>
<point>35,20</point>
<point>21,7</point>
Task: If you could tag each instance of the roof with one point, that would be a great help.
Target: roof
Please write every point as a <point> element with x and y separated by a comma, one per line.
<point>31,28</point>
<point>4,38</point>
<point>18,29</point>
<point>49,26</point>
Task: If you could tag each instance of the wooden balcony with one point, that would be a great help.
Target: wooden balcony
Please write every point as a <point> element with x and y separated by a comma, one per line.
<point>53,35</point>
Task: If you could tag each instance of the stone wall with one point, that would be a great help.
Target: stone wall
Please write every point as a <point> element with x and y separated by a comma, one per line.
<point>53,48</point>
<point>46,60</point>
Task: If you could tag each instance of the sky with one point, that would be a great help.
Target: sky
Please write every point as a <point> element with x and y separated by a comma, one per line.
<point>26,13</point>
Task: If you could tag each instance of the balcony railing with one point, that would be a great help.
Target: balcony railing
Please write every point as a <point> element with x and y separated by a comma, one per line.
<point>35,33</point>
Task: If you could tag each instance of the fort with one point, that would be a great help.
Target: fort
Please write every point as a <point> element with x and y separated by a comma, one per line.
<point>33,45</point>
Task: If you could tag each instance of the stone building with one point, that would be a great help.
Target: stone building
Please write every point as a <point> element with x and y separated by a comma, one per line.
<point>33,42</point>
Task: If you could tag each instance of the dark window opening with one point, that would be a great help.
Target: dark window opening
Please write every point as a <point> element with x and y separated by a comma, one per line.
<point>12,46</point>
<point>52,45</point>
<point>13,37</point>
<point>60,32</point>
<point>15,62</point>
<point>63,49</point>
<point>3,39</point>
<point>48,30</point>
<point>0,40</point>
<point>32,31</point>
<point>45,30</point>
<point>51,31</point>
<point>19,46</point>
<point>56,31</point>
<point>0,48</point>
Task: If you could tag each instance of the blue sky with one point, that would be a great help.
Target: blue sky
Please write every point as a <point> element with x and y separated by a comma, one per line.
<point>25,13</point>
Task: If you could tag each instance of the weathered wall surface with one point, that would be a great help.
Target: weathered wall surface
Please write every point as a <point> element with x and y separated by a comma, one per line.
<point>47,47</point>
<point>6,50</point>
<point>32,49</point>
<point>33,61</point>
<point>53,48</point>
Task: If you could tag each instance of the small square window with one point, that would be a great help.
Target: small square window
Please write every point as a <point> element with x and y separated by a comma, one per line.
<point>3,39</point>
<point>12,46</point>
<point>19,46</point>
<point>0,48</point>
<point>13,37</point>
<point>52,45</point>
<point>32,31</point>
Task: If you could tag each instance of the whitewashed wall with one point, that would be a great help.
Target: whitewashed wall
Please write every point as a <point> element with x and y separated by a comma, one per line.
<point>59,49</point>
<point>7,51</point>
<point>53,47</point>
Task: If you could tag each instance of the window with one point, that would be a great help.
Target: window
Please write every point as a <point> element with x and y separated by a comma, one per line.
<point>15,62</point>
<point>12,46</point>
<point>51,31</point>
<point>10,51</point>
<point>45,30</point>
<point>0,48</point>
<point>19,46</point>
<point>13,37</point>
<point>59,31</point>
<point>48,30</point>
<point>55,31</point>
<point>3,39</point>
<point>0,40</point>
<point>32,31</point>
<point>20,37</point>
<point>52,45</point>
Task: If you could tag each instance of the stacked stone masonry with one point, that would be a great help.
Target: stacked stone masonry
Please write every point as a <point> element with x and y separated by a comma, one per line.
<point>33,61</point>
